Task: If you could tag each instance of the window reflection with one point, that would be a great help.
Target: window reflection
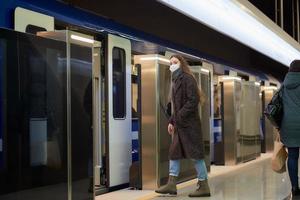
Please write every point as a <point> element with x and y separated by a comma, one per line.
<point>33,111</point>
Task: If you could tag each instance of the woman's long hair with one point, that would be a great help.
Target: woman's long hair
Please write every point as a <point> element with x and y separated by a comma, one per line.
<point>185,68</point>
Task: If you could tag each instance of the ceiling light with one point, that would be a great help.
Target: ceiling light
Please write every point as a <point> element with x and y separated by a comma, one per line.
<point>257,83</point>
<point>82,39</point>
<point>205,70</point>
<point>155,58</point>
<point>224,78</point>
<point>242,22</point>
<point>270,88</point>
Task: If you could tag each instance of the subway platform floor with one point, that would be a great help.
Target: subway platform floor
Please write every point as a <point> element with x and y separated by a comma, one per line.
<point>253,180</point>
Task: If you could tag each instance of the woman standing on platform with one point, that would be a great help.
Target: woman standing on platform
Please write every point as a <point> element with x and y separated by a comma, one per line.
<point>290,126</point>
<point>185,128</point>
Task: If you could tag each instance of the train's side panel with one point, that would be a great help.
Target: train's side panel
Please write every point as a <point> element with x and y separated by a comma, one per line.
<point>119,109</point>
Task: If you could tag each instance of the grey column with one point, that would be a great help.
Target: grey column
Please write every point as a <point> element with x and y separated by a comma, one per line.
<point>281,14</point>
<point>280,8</point>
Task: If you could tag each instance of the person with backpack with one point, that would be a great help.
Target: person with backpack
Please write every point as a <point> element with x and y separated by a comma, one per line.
<point>290,124</point>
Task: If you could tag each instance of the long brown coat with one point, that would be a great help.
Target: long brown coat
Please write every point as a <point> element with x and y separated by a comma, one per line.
<point>187,141</point>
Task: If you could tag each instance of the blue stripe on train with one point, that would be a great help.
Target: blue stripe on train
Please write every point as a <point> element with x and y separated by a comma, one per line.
<point>135,125</point>
<point>135,140</point>
<point>217,130</point>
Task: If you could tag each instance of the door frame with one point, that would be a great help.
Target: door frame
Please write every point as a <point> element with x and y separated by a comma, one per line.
<point>72,37</point>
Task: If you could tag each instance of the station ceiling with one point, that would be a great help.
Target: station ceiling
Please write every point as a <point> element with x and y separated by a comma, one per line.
<point>268,7</point>
<point>158,20</point>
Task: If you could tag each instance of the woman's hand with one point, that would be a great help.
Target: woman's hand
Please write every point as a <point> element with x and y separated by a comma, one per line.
<point>170,129</point>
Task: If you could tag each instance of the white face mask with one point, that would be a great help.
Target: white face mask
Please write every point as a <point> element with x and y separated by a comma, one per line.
<point>174,67</point>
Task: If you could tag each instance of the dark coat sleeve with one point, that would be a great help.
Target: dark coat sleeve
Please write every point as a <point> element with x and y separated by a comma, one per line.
<point>172,119</point>
<point>192,99</point>
<point>169,113</point>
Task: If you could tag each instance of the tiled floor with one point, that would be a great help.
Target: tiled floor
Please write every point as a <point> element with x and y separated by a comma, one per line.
<point>253,180</point>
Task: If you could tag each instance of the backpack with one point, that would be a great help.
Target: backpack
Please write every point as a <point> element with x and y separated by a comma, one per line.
<point>274,110</point>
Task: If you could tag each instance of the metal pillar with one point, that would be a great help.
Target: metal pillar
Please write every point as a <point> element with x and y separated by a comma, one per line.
<point>279,13</point>
<point>297,19</point>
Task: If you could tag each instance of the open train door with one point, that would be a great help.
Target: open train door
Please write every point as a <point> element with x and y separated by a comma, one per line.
<point>118,106</point>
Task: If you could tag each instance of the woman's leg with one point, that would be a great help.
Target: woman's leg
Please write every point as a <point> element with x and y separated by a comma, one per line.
<point>203,187</point>
<point>293,156</point>
<point>170,187</point>
<point>174,167</point>
<point>201,170</point>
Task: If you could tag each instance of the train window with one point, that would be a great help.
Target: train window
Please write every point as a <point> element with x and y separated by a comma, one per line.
<point>119,83</point>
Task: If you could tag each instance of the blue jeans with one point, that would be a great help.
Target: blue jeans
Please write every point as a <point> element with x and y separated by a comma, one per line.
<point>200,167</point>
<point>293,156</point>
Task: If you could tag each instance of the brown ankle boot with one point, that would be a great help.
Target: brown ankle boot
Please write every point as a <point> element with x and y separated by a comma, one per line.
<point>202,190</point>
<point>170,188</point>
